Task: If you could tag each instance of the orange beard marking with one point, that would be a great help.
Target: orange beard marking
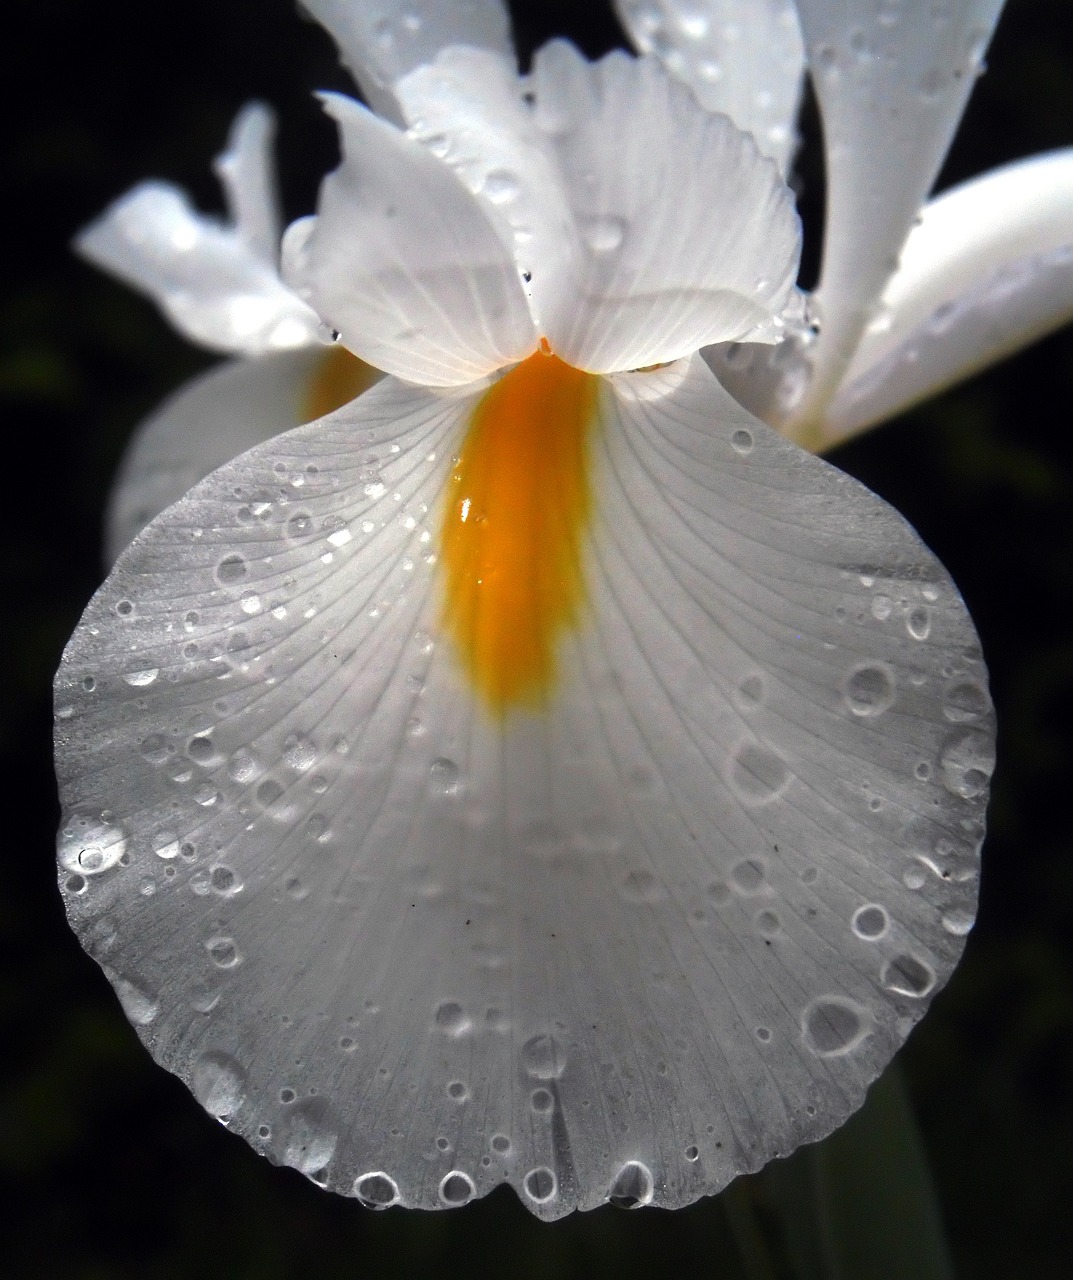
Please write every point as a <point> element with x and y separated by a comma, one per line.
<point>336,379</point>
<point>518,505</point>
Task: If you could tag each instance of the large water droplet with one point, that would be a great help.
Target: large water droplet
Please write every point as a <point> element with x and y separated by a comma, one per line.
<point>443,777</point>
<point>231,570</point>
<point>833,1025</point>
<point>632,1186</point>
<point>501,186</point>
<point>377,1190</point>
<point>958,922</point>
<point>908,976</point>
<point>452,1019</point>
<point>309,1137</point>
<point>604,234</point>
<point>967,761</point>
<point>89,844</point>
<point>138,1005</point>
<point>299,752</point>
<point>747,876</point>
<point>456,1188</point>
<point>223,952</point>
<point>869,689</point>
<point>965,700</point>
<point>757,774</point>
<point>143,677</point>
<point>918,622</point>
<point>540,1185</point>
<point>543,1058</point>
<point>219,1084</point>
<point>870,922</point>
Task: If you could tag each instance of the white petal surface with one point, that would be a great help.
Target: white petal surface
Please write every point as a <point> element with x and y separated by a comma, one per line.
<point>205,276</point>
<point>247,174</point>
<point>892,81</point>
<point>624,948</point>
<point>402,260</point>
<point>381,40</point>
<point>988,269</point>
<point>207,422</point>
<point>468,109</point>
<point>687,234</point>
<point>742,57</point>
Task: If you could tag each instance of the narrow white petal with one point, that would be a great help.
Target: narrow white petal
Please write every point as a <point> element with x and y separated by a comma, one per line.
<point>209,421</point>
<point>625,947</point>
<point>247,174</point>
<point>988,269</point>
<point>687,234</point>
<point>381,40</point>
<point>892,82</point>
<point>468,109</point>
<point>742,57</point>
<point>402,260</point>
<point>202,274</point>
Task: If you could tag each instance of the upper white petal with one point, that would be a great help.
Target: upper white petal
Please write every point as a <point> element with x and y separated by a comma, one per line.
<point>381,40</point>
<point>742,57</point>
<point>687,235</point>
<point>892,83</point>
<point>988,269</point>
<point>247,173</point>
<point>402,260</point>
<point>642,941</point>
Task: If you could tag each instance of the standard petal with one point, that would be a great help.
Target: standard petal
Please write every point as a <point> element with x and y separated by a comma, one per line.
<point>745,58</point>
<point>381,40</point>
<point>402,260</point>
<point>892,83</point>
<point>203,275</point>
<point>687,234</point>
<point>988,269</point>
<point>247,175</point>
<point>622,947</point>
<point>217,416</point>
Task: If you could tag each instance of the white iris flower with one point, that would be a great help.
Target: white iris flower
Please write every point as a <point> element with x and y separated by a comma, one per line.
<point>539,770</point>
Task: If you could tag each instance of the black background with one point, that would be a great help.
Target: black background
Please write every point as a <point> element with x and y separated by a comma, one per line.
<point>111,1168</point>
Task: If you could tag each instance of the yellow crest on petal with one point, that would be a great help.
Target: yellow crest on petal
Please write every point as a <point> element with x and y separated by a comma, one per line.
<point>518,506</point>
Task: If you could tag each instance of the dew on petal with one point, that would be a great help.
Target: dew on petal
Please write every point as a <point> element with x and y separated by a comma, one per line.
<point>758,774</point>
<point>219,1084</point>
<point>540,1185</point>
<point>543,1058</point>
<point>452,1019</point>
<point>377,1190</point>
<point>908,976</point>
<point>632,1186</point>
<point>870,922</point>
<point>456,1189</point>
<point>869,689</point>
<point>834,1025</point>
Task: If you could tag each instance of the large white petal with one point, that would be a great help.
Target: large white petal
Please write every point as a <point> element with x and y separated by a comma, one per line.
<point>988,269</point>
<point>207,422</point>
<point>247,173</point>
<point>626,947</point>
<point>688,235</point>
<point>381,40</point>
<point>892,82</point>
<point>742,57</point>
<point>402,260</point>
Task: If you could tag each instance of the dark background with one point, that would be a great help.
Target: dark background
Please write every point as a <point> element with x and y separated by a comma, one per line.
<point>110,1168</point>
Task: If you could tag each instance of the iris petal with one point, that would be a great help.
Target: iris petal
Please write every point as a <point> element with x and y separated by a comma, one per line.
<point>741,57</point>
<point>625,946</point>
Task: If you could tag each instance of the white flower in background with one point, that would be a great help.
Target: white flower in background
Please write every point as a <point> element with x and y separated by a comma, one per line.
<point>912,296</point>
<point>219,284</point>
<point>538,770</point>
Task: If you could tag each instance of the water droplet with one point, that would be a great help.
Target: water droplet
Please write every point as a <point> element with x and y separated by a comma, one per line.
<point>457,1188</point>
<point>747,876</point>
<point>869,689</point>
<point>224,881</point>
<point>833,1025</point>
<point>223,953</point>
<point>543,1058</point>
<point>500,1143</point>
<point>908,976</point>
<point>452,1019</point>
<point>243,766</point>
<point>501,187</point>
<point>89,843</point>
<point>870,922</point>
<point>377,1190</point>
<point>967,761</point>
<point>719,892</point>
<point>757,774</point>
<point>751,692</point>
<point>219,1084</point>
<point>768,924</point>
<point>75,884</point>
<point>232,569</point>
<point>540,1185</point>
<point>308,1136</point>
<point>604,234</point>
<point>269,792</point>
<point>632,1187</point>
<point>542,1101</point>
<point>142,678</point>
<point>200,750</point>
<point>692,1153</point>
<point>138,1005</point>
<point>742,441</point>
<point>458,1091</point>
<point>443,777</point>
<point>965,700</point>
<point>913,877</point>
<point>958,922</point>
<point>299,752</point>
<point>882,608</point>
<point>639,885</point>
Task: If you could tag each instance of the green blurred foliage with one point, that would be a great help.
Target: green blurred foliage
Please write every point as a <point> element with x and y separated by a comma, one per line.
<point>110,1169</point>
